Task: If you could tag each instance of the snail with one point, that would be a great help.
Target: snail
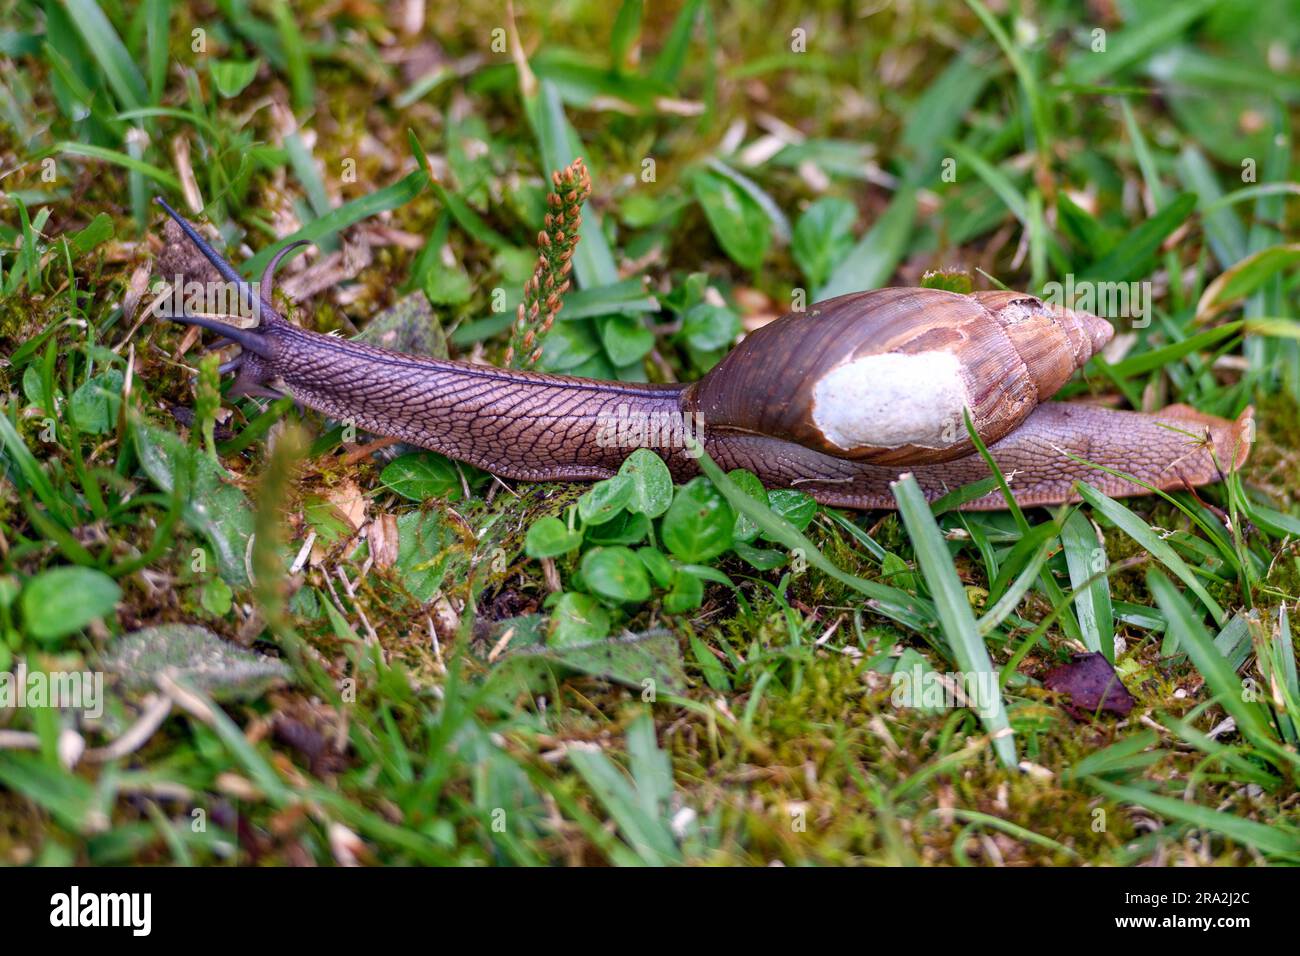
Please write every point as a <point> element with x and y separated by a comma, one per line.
<point>836,401</point>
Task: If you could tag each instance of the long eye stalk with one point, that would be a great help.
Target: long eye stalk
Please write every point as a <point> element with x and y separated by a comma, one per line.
<point>247,338</point>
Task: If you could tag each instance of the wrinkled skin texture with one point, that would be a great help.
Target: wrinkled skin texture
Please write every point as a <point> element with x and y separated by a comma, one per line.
<point>544,427</point>
<point>547,427</point>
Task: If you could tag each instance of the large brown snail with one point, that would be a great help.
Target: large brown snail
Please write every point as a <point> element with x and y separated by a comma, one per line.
<point>837,401</point>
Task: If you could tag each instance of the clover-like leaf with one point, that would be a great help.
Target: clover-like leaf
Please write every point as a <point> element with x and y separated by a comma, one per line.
<point>421,476</point>
<point>577,619</point>
<point>605,499</point>
<point>550,537</point>
<point>652,483</point>
<point>63,600</point>
<point>615,574</point>
<point>699,522</point>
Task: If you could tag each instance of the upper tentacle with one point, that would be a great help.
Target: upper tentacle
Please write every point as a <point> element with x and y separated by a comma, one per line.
<point>268,274</point>
<point>259,305</point>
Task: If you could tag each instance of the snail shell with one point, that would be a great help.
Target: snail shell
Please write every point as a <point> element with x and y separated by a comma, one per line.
<point>883,376</point>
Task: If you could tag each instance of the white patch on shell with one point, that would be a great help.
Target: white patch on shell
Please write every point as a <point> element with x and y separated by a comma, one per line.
<point>892,399</point>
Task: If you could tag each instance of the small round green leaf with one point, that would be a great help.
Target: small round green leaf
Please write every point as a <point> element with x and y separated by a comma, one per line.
<point>95,403</point>
<point>660,568</point>
<point>626,339</point>
<point>550,537</point>
<point>823,237</point>
<point>421,476</point>
<point>626,528</point>
<point>707,327</point>
<point>34,389</point>
<point>232,76</point>
<point>698,524</point>
<point>577,619</point>
<point>765,559</point>
<point>687,593</point>
<point>423,539</point>
<point>615,574</point>
<point>216,597</point>
<point>8,590</point>
<point>652,483</point>
<point>62,601</point>
<point>796,507</point>
<point>745,529</point>
<point>605,499</point>
<point>738,221</point>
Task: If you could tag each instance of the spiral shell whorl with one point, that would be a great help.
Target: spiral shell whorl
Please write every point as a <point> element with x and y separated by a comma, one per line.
<point>1052,341</point>
<point>884,376</point>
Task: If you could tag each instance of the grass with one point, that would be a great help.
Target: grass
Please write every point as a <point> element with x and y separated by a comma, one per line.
<point>407,661</point>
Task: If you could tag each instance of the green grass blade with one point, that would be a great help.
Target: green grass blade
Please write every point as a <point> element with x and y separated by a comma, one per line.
<point>954,499</point>
<point>994,178</point>
<point>1142,533</point>
<point>31,472</point>
<point>1237,758</point>
<point>1265,838</point>
<point>1160,357</point>
<point>1132,255</point>
<point>1038,110</point>
<point>936,115</point>
<point>1049,585</point>
<point>648,835</point>
<point>1137,40</point>
<point>1013,830</point>
<point>1278,665</point>
<point>1223,227</point>
<point>157,26</point>
<point>1220,678</point>
<point>390,197</point>
<point>1085,556</point>
<point>1007,603</point>
<point>74,802</point>
<point>109,52</point>
<point>1126,755</point>
<point>160,176</point>
<point>903,607</point>
<point>872,261</point>
<point>672,56</point>
<point>953,608</point>
<point>297,59</point>
<point>304,167</point>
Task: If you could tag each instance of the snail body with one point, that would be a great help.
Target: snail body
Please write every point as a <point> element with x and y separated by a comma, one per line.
<point>837,401</point>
